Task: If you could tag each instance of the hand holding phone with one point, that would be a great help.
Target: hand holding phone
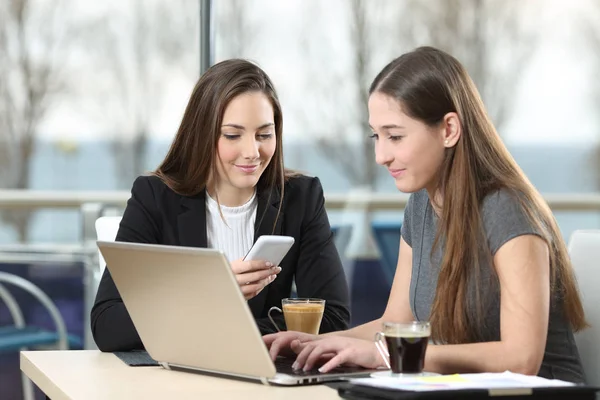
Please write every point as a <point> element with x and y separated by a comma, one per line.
<point>271,248</point>
<point>261,265</point>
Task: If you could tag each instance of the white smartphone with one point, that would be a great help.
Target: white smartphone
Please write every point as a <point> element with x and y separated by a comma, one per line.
<point>270,248</point>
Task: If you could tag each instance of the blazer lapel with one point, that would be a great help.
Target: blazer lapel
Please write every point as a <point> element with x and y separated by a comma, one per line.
<point>192,221</point>
<point>266,215</point>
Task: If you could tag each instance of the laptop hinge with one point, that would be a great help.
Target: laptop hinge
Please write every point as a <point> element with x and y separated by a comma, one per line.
<point>218,374</point>
<point>164,364</point>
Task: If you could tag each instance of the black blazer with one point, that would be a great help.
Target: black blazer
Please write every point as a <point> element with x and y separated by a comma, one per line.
<point>156,214</point>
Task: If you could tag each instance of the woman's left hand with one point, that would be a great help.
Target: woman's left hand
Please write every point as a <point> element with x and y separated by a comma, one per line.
<point>340,350</point>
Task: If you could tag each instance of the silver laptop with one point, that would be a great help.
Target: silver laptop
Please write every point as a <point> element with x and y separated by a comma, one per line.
<point>191,315</point>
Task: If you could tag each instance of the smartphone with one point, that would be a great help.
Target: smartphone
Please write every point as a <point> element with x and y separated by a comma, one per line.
<point>270,248</point>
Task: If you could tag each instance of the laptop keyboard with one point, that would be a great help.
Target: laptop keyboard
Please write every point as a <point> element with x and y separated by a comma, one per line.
<point>284,366</point>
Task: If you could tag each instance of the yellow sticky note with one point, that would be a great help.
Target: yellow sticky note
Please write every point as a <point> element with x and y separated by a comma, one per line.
<point>443,379</point>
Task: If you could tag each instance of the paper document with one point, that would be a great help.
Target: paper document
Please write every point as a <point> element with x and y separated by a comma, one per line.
<point>502,380</point>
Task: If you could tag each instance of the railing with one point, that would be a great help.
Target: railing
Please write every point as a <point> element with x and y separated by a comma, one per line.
<point>33,199</point>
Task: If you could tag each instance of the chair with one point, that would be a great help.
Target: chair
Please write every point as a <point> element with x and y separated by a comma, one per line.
<point>341,238</point>
<point>584,249</point>
<point>387,236</point>
<point>106,230</point>
<point>20,336</point>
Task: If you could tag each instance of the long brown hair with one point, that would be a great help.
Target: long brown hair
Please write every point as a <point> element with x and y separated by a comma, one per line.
<point>190,162</point>
<point>429,83</point>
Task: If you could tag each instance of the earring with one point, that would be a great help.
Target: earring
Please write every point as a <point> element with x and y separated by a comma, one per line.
<point>446,141</point>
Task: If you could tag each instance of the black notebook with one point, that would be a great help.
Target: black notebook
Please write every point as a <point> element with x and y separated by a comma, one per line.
<point>505,385</point>
<point>359,392</point>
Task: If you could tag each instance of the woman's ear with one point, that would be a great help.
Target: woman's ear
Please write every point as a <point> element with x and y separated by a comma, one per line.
<point>452,129</point>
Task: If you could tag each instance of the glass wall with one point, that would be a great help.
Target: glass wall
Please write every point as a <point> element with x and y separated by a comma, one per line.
<point>92,93</point>
<point>95,92</point>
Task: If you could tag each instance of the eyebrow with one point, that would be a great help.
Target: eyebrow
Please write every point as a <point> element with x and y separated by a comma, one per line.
<point>391,126</point>
<point>241,127</point>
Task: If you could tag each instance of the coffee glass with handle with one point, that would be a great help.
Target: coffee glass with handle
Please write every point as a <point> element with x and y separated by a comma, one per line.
<point>301,315</point>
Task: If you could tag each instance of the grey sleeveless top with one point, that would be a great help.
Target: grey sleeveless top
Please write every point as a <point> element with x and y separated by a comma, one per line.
<point>503,219</point>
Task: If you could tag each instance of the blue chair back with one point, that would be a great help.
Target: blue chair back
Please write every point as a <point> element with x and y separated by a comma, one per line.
<point>387,236</point>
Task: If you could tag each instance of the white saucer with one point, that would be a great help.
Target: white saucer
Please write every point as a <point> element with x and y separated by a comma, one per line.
<point>390,374</point>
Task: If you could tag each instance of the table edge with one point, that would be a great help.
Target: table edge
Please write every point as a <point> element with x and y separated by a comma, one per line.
<point>40,379</point>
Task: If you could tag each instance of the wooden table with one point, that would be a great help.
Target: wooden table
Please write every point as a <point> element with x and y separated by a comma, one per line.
<point>90,374</point>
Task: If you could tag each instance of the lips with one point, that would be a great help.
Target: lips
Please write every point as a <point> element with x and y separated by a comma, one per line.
<point>397,172</point>
<point>247,168</point>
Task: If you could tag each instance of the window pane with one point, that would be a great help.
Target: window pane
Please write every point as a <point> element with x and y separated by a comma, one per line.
<point>95,94</point>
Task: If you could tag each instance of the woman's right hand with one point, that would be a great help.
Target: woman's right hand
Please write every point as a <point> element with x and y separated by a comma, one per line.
<point>280,343</point>
<point>254,276</point>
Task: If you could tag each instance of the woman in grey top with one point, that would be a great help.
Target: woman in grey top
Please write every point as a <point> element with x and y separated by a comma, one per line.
<point>481,256</point>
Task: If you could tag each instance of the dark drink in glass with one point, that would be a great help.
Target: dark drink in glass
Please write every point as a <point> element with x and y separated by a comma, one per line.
<point>407,354</point>
<point>406,345</point>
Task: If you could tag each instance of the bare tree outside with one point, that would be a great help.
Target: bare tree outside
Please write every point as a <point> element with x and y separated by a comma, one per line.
<point>157,39</point>
<point>340,120</point>
<point>135,50</point>
<point>32,37</point>
<point>494,39</point>
<point>364,173</point>
<point>237,34</point>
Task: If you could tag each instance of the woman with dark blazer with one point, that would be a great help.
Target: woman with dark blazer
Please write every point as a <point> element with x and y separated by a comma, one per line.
<point>222,185</point>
